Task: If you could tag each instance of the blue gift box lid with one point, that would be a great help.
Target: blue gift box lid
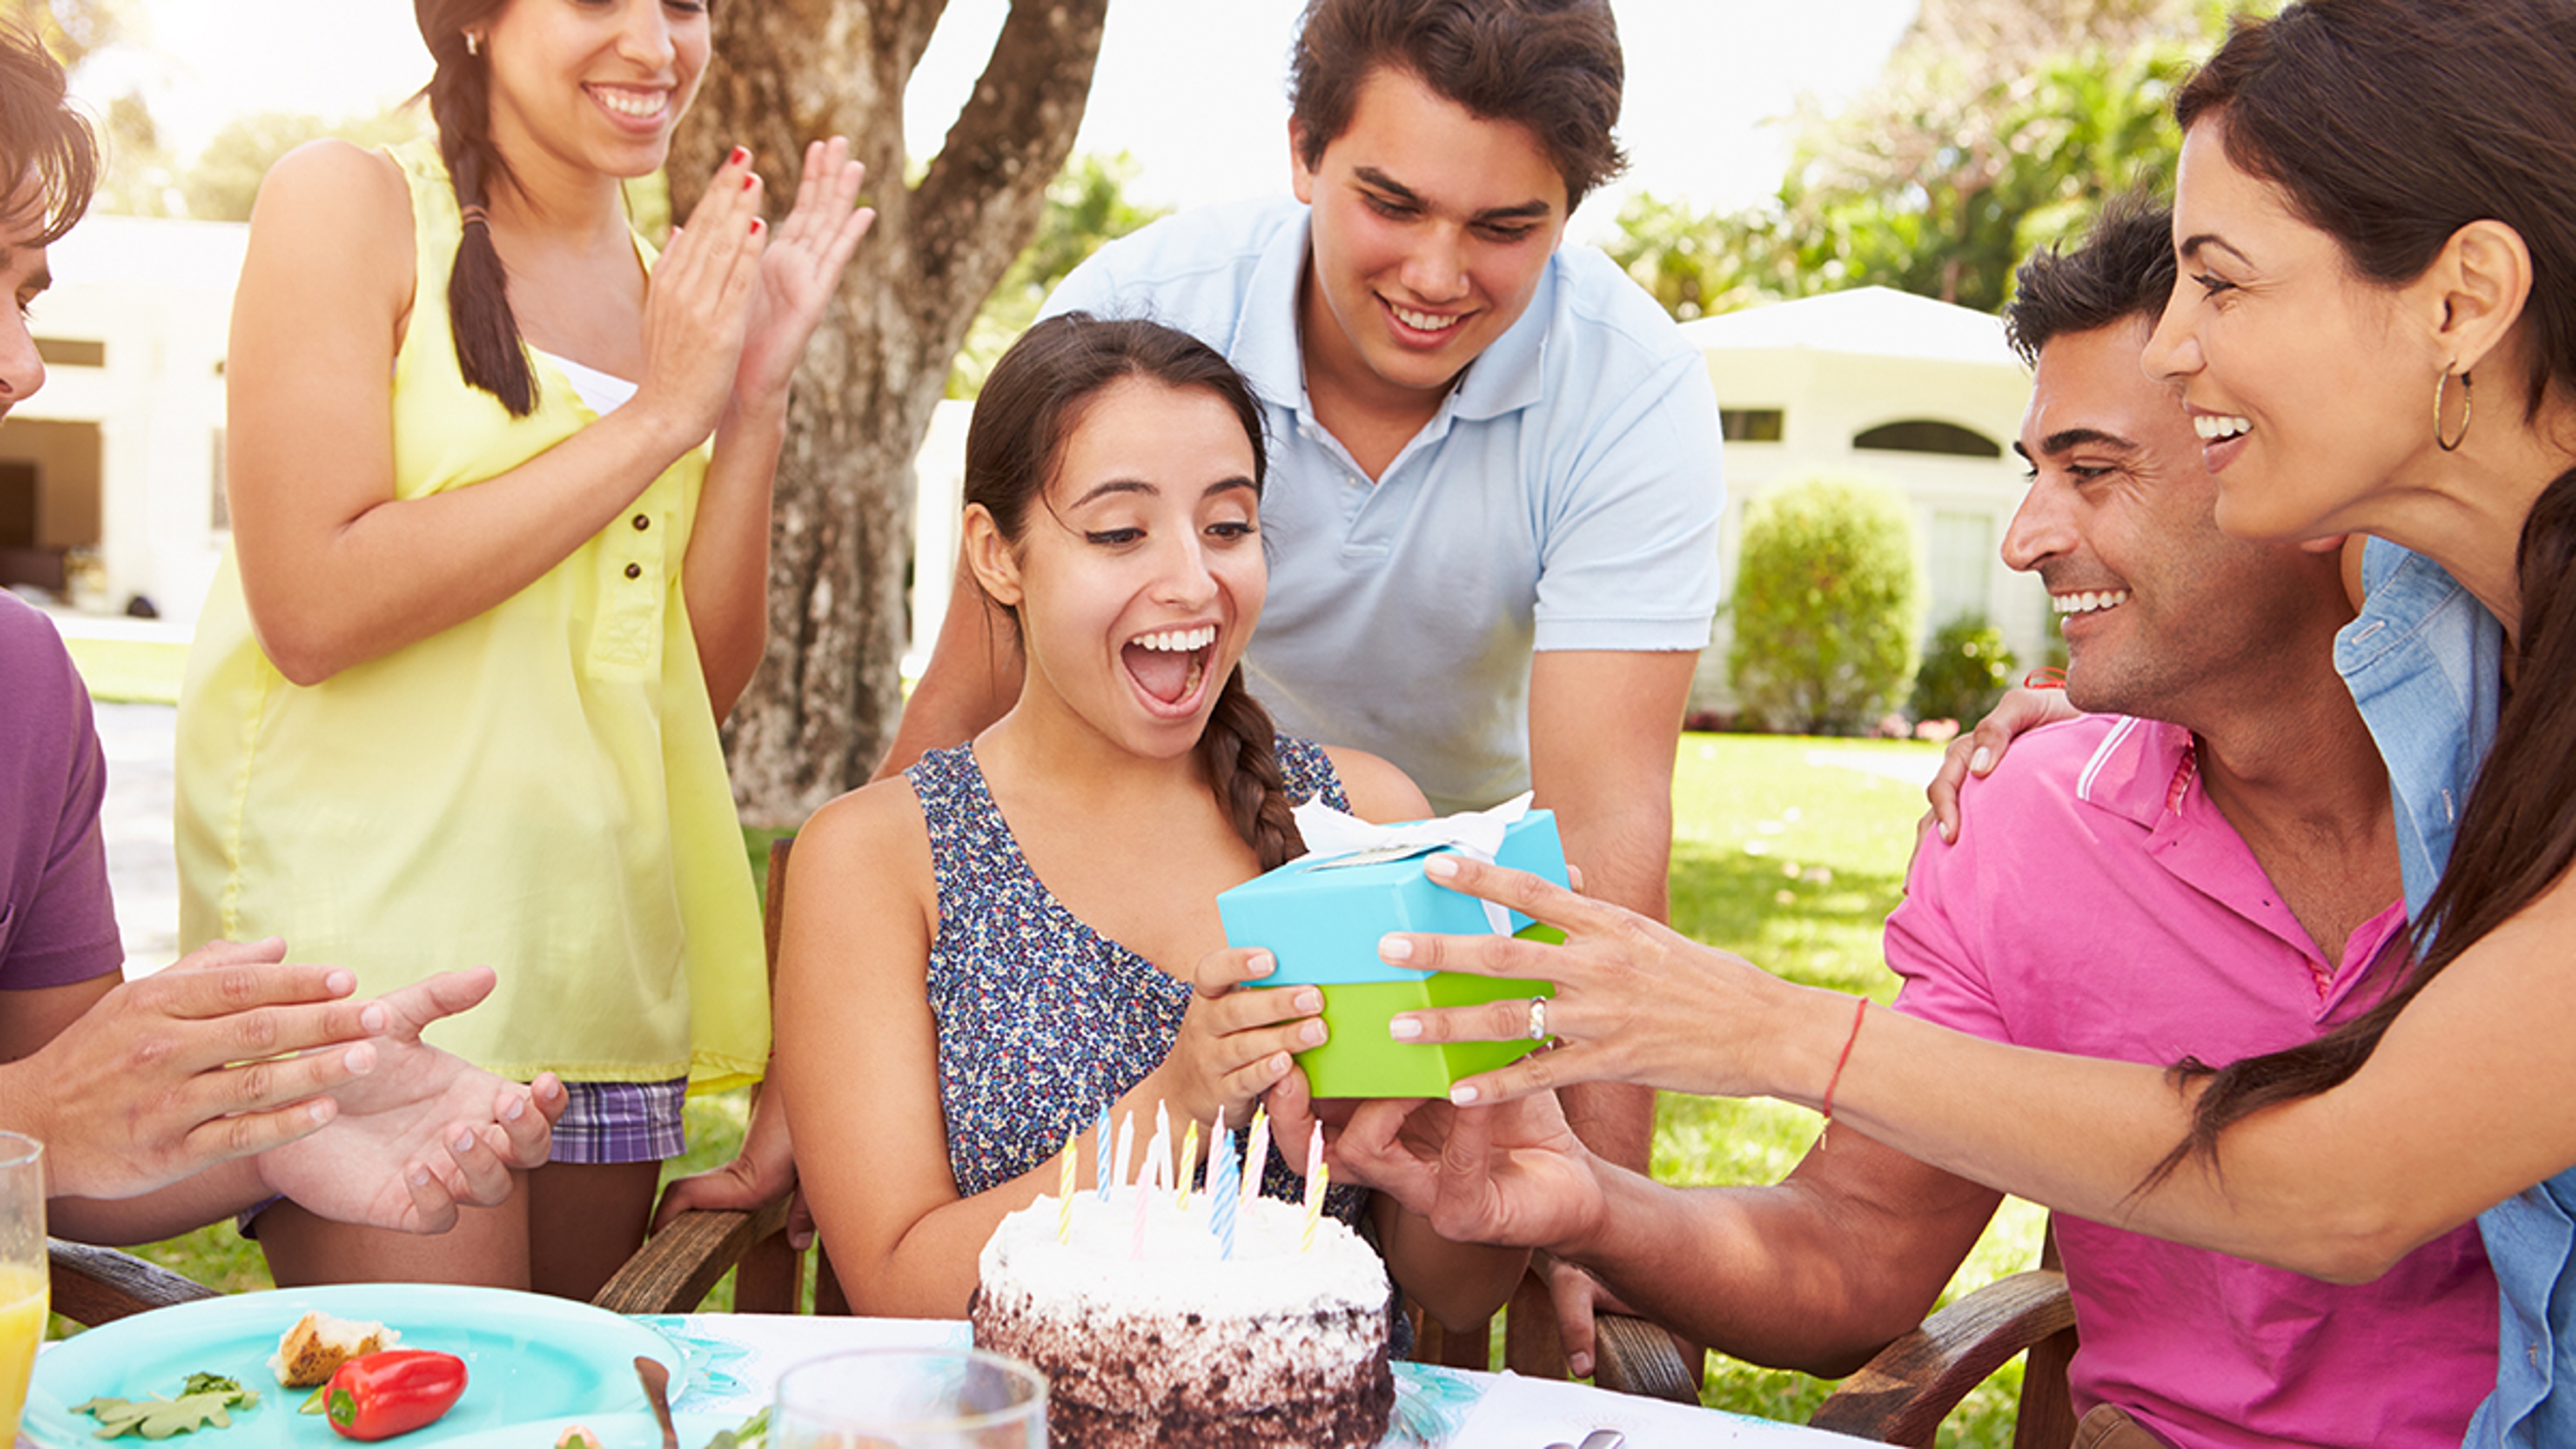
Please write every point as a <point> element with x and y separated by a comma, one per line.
<point>1320,917</point>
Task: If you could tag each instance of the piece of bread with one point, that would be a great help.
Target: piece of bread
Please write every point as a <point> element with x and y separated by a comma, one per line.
<point>310,1352</point>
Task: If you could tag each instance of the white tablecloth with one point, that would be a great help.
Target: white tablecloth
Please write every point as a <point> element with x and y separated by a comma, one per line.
<point>734,1360</point>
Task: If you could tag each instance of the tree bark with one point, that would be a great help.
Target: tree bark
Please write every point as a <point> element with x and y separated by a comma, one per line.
<point>825,701</point>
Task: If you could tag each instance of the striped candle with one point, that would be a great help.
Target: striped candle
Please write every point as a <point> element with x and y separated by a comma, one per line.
<point>1100,1156</point>
<point>1189,1162</point>
<point>1223,1191</point>
<point>1126,1146</point>
<point>1316,1173</point>
<point>1256,1154</point>
<point>1064,1187</point>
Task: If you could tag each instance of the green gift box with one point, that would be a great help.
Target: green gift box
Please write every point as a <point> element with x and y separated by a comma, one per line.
<point>1320,918</point>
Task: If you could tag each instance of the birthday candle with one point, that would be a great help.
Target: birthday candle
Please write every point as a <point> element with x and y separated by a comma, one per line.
<point>1126,1146</point>
<point>1100,1156</point>
<point>1222,1191</point>
<point>1158,1158</point>
<point>1064,1188</point>
<point>1190,1160</point>
<point>1162,1136</point>
<point>1256,1154</point>
<point>1315,1173</point>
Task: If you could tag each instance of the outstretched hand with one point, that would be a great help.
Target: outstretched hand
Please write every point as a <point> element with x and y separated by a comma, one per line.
<point>1635,1001</point>
<point>1513,1174</point>
<point>227,1053</point>
<point>424,1132</point>
<point>802,269</point>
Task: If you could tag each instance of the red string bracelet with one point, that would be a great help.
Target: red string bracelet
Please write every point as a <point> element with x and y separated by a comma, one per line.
<point>1858,1012</point>
<point>2047,676</point>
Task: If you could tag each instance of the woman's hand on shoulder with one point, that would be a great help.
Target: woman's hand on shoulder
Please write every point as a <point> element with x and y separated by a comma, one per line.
<point>1379,792</point>
<point>801,271</point>
<point>699,306</point>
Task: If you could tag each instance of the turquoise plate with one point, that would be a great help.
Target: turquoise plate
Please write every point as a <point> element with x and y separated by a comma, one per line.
<point>528,1358</point>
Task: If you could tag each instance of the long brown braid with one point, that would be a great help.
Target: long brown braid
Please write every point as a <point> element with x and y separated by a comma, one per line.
<point>1028,408</point>
<point>478,296</point>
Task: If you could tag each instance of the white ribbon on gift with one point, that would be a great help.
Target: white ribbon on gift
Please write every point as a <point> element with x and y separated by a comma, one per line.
<point>1332,835</point>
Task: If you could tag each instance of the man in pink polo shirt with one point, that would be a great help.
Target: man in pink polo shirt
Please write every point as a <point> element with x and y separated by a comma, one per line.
<point>2207,867</point>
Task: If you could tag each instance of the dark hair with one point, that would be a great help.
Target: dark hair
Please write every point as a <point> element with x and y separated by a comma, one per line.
<point>2123,268</point>
<point>2391,124</point>
<point>1034,398</point>
<point>478,289</point>
<point>1552,66</point>
<point>42,137</point>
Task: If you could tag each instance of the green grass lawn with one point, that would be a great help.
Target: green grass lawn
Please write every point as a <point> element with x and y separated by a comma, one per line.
<point>132,671</point>
<point>1789,851</point>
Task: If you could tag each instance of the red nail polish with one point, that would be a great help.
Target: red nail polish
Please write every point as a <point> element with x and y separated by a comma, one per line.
<point>738,157</point>
<point>758,226</point>
<point>749,178</point>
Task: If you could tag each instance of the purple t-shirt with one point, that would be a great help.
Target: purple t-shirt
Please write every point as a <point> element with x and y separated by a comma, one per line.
<point>2098,903</point>
<point>57,925</point>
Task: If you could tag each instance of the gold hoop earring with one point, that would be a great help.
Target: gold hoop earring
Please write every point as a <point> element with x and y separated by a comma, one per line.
<point>2468,409</point>
<point>473,43</point>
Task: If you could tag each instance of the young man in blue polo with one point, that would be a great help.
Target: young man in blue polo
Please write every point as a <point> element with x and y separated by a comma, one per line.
<point>1494,494</point>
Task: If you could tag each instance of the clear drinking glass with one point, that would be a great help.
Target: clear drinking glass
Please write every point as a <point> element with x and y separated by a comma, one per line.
<point>22,1269</point>
<point>909,1398</point>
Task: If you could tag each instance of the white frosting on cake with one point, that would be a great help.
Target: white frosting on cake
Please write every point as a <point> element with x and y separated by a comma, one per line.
<point>1100,1266</point>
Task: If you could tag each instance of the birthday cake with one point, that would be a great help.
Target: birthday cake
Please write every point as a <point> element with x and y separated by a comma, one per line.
<point>1151,1333</point>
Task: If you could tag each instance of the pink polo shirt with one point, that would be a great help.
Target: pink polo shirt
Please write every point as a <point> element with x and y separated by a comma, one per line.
<point>2097,903</point>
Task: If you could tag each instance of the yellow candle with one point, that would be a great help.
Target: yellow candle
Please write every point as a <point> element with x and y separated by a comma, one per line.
<point>1189,1160</point>
<point>1314,1207</point>
<point>1064,1187</point>
<point>1256,1154</point>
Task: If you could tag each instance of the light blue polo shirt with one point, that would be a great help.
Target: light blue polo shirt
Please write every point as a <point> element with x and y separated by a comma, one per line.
<point>1567,496</point>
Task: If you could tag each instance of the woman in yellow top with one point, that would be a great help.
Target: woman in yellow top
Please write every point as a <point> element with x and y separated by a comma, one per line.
<point>455,693</point>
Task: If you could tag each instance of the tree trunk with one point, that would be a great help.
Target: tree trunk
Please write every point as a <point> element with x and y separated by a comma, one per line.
<point>824,703</point>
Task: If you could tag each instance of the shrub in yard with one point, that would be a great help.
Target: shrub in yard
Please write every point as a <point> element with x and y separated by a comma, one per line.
<point>1827,601</point>
<point>1966,668</point>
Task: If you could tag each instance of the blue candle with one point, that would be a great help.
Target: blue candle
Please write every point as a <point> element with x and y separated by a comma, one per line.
<point>1223,1188</point>
<point>1100,1156</point>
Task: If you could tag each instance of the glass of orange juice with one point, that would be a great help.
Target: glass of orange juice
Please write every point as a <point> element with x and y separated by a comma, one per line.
<point>22,1269</point>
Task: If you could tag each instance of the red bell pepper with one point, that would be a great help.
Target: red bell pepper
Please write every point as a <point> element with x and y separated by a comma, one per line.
<point>379,1395</point>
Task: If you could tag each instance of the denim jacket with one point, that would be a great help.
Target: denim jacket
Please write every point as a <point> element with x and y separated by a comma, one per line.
<point>2424,662</point>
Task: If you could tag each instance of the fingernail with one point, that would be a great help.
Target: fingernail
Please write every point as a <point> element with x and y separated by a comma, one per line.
<point>1312,1033</point>
<point>1982,761</point>
<point>1259,964</point>
<point>1308,999</point>
<point>1949,832</point>
<point>514,1109</point>
<point>758,226</point>
<point>1394,949</point>
<point>738,157</point>
<point>750,179</point>
<point>463,1144</point>
<point>1463,1096</point>
<point>340,983</point>
<point>420,1177</point>
<point>1579,1365</point>
<point>1440,867</point>
<point>1403,1028</point>
<point>372,1016</point>
<point>357,1059</point>
<point>319,1111</point>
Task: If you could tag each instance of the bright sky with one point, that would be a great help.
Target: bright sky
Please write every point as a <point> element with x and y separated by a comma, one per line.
<point>1195,89</point>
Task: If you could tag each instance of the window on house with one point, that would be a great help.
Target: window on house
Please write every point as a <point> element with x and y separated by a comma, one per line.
<point>1750,425</point>
<point>71,352</point>
<point>1923,435</point>
<point>1961,561</point>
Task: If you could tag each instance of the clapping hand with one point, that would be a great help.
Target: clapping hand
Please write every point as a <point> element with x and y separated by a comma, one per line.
<point>801,269</point>
<point>423,1132</point>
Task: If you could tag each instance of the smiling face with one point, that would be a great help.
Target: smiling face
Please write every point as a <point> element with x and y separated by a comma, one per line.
<point>597,85</point>
<point>1431,228</point>
<point>2156,603</point>
<point>1138,582</point>
<point>23,274</point>
<point>2310,391</point>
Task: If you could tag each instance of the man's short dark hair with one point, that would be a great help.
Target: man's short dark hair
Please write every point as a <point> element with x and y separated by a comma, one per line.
<point>2123,268</point>
<point>48,158</point>
<point>1551,66</point>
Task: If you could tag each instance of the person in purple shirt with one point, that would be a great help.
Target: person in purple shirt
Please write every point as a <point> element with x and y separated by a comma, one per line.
<point>2205,868</point>
<point>231,1077</point>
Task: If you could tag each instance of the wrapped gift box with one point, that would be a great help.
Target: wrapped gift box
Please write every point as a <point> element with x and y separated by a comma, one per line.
<point>1320,917</point>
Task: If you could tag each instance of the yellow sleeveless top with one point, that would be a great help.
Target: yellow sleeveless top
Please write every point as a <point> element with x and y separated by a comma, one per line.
<point>539,789</point>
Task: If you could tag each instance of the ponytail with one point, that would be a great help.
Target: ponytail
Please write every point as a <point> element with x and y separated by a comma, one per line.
<point>2517,837</point>
<point>1239,749</point>
<point>478,298</point>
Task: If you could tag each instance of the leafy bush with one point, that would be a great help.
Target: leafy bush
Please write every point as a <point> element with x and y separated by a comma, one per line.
<point>1827,600</point>
<point>1966,668</point>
